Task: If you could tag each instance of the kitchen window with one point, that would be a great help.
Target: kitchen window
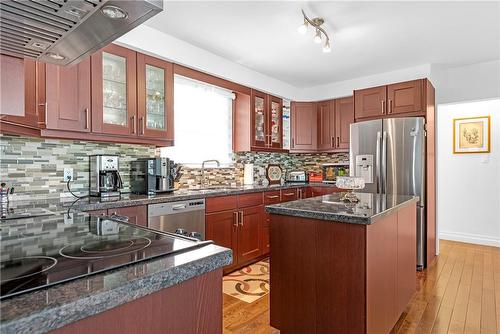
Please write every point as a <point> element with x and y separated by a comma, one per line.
<point>202,123</point>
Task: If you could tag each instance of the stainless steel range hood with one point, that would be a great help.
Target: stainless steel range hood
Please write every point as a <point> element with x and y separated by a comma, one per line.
<point>63,32</point>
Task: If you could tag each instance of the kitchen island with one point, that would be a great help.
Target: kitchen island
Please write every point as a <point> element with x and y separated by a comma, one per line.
<point>80,274</point>
<point>340,267</point>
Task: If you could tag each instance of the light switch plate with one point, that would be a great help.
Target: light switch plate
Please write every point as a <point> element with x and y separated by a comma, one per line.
<point>68,174</point>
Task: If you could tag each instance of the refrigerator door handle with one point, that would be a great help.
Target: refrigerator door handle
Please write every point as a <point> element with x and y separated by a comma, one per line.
<point>377,162</point>
<point>384,163</point>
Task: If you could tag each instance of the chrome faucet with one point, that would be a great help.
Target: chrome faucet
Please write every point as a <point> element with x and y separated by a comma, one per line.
<point>203,171</point>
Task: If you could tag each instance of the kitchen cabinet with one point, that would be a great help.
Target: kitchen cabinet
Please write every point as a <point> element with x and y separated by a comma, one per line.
<point>344,117</point>
<point>326,125</point>
<point>398,99</point>
<point>267,120</point>
<point>236,222</point>
<point>155,92</point>
<point>68,97</point>
<point>370,102</point>
<point>320,191</point>
<point>303,127</point>
<point>114,91</point>
<point>23,95</point>
<point>405,97</point>
<point>288,195</point>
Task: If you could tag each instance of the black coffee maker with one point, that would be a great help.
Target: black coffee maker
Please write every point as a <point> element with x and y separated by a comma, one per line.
<point>105,179</point>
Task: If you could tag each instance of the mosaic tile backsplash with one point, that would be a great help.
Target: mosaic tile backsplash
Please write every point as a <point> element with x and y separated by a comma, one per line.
<point>35,166</point>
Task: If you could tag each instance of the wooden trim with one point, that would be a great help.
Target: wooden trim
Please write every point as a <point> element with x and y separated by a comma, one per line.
<point>12,128</point>
<point>210,79</point>
<point>105,138</point>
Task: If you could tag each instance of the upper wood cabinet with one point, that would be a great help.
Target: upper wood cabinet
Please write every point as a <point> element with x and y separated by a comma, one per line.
<point>303,127</point>
<point>331,118</point>
<point>155,93</point>
<point>68,97</point>
<point>23,98</point>
<point>114,91</point>
<point>267,121</point>
<point>404,98</point>
<point>344,117</point>
<point>326,125</point>
<point>370,102</point>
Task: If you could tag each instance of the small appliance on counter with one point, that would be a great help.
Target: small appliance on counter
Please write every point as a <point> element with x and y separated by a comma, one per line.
<point>331,171</point>
<point>299,176</point>
<point>149,176</point>
<point>105,179</point>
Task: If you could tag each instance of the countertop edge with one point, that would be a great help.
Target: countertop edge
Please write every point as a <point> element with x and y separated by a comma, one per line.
<point>61,315</point>
<point>337,217</point>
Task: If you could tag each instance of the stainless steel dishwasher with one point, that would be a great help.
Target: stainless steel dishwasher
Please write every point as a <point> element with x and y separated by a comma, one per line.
<point>184,217</point>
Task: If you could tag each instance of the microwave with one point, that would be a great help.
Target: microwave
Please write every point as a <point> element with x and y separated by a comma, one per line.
<point>331,171</point>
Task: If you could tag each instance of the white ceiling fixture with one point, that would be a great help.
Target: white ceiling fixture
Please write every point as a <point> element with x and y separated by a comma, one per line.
<point>318,36</point>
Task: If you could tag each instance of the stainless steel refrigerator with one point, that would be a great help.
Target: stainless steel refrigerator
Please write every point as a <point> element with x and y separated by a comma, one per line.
<point>390,155</point>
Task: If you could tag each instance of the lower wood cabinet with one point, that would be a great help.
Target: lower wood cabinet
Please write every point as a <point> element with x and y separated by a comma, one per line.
<point>320,191</point>
<point>238,226</point>
<point>136,214</point>
<point>288,195</point>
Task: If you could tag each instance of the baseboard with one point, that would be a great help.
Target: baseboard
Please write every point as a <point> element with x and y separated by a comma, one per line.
<point>470,238</point>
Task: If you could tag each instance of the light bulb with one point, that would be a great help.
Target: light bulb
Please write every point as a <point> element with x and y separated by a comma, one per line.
<point>317,37</point>
<point>302,29</point>
<point>326,47</point>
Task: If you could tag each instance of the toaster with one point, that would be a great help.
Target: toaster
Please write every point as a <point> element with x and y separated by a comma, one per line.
<point>296,176</point>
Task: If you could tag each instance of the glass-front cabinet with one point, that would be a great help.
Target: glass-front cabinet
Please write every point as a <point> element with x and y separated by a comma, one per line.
<point>114,90</point>
<point>154,100</point>
<point>267,120</point>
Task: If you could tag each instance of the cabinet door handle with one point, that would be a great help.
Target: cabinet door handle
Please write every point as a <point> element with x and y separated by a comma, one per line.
<point>383,106</point>
<point>87,121</point>
<point>134,124</point>
<point>300,193</point>
<point>235,219</point>
<point>338,142</point>
<point>45,107</point>
<point>293,143</point>
<point>241,218</point>
<point>390,106</point>
<point>332,142</point>
<point>141,120</point>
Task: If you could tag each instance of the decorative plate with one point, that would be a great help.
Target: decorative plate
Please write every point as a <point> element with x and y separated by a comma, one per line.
<point>274,173</point>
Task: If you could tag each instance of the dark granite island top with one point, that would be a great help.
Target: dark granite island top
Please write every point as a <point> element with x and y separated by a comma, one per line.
<point>62,304</point>
<point>368,210</point>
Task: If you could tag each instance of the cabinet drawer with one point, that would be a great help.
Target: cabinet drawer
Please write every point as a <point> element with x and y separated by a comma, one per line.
<point>103,212</point>
<point>288,195</point>
<point>247,200</point>
<point>224,203</point>
<point>272,197</point>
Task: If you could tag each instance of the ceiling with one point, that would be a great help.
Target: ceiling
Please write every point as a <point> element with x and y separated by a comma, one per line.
<point>367,37</point>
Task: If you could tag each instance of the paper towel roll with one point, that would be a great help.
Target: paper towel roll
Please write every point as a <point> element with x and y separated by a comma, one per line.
<point>248,174</point>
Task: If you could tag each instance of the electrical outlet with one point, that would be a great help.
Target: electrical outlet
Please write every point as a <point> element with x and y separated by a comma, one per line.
<point>68,174</point>
<point>68,218</point>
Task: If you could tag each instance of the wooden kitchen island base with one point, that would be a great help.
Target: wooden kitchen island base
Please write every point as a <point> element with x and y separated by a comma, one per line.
<point>334,277</point>
<point>193,306</point>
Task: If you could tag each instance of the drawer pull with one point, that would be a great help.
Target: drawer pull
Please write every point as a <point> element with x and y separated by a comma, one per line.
<point>289,194</point>
<point>272,196</point>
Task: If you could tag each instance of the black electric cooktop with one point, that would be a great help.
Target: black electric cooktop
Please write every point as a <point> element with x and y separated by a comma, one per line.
<point>43,251</point>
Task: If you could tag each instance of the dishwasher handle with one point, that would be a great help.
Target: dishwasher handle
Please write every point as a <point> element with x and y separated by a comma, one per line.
<point>179,207</point>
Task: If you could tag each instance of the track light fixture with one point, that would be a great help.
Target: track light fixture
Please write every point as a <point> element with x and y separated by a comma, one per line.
<point>318,36</point>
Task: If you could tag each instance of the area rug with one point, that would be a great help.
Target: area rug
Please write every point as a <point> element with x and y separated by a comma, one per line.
<point>248,284</point>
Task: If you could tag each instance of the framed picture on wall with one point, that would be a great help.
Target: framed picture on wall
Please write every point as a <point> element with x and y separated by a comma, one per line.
<point>471,135</point>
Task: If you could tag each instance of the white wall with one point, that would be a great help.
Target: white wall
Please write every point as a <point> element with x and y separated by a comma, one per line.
<point>156,43</point>
<point>468,185</point>
<point>466,83</point>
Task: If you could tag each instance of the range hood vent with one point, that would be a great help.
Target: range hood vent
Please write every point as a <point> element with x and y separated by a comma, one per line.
<point>63,32</point>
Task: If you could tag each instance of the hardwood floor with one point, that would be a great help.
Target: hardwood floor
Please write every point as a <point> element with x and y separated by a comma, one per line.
<point>458,293</point>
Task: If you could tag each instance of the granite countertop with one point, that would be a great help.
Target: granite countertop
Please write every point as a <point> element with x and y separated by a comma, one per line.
<point>330,207</point>
<point>55,306</point>
<point>129,199</point>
